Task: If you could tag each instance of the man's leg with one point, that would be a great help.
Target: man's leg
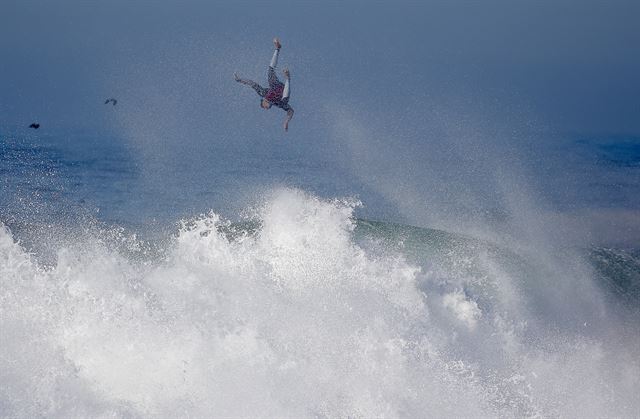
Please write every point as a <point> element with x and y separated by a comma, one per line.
<point>261,91</point>
<point>271,73</point>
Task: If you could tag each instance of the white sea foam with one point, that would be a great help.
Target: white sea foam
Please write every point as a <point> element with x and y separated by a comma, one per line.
<point>465,310</point>
<point>295,321</point>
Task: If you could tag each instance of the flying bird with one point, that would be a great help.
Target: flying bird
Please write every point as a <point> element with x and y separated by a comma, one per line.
<point>111,100</point>
<point>34,125</point>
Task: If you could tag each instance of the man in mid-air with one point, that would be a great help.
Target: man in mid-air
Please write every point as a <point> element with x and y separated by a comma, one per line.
<point>277,94</point>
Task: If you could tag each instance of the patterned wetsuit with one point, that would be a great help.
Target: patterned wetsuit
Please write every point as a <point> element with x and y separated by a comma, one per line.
<point>275,91</point>
<point>278,93</point>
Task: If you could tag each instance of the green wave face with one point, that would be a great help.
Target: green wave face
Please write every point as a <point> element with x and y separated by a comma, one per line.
<point>617,270</point>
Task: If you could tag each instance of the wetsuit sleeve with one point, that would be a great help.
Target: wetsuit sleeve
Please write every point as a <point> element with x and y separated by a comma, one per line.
<point>286,91</point>
<point>274,59</point>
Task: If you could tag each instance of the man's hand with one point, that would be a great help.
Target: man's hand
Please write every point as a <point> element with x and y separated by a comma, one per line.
<point>276,43</point>
<point>286,73</point>
<point>235,76</point>
<point>288,118</point>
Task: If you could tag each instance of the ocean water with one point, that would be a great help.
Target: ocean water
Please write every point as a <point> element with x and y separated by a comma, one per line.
<point>262,281</point>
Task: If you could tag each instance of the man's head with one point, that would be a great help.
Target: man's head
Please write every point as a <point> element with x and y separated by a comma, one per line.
<point>265,104</point>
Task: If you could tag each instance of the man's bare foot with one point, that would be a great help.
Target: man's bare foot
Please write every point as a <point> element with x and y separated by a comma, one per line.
<point>286,72</point>
<point>235,76</point>
<point>277,43</point>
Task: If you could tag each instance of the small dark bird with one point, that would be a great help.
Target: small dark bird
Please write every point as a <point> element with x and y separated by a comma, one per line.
<point>34,125</point>
<point>111,100</point>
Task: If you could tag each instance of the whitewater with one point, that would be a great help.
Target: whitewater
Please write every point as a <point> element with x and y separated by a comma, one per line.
<point>305,311</point>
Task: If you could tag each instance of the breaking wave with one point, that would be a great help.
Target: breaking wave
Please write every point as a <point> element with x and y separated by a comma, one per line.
<point>307,312</point>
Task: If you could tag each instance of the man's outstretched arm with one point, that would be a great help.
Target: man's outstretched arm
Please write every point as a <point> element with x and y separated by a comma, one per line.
<point>255,86</point>
<point>287,84</point>
<point>288,118</point>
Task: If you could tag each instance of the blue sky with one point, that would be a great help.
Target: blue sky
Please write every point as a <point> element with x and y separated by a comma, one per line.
<point>570,66</point>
